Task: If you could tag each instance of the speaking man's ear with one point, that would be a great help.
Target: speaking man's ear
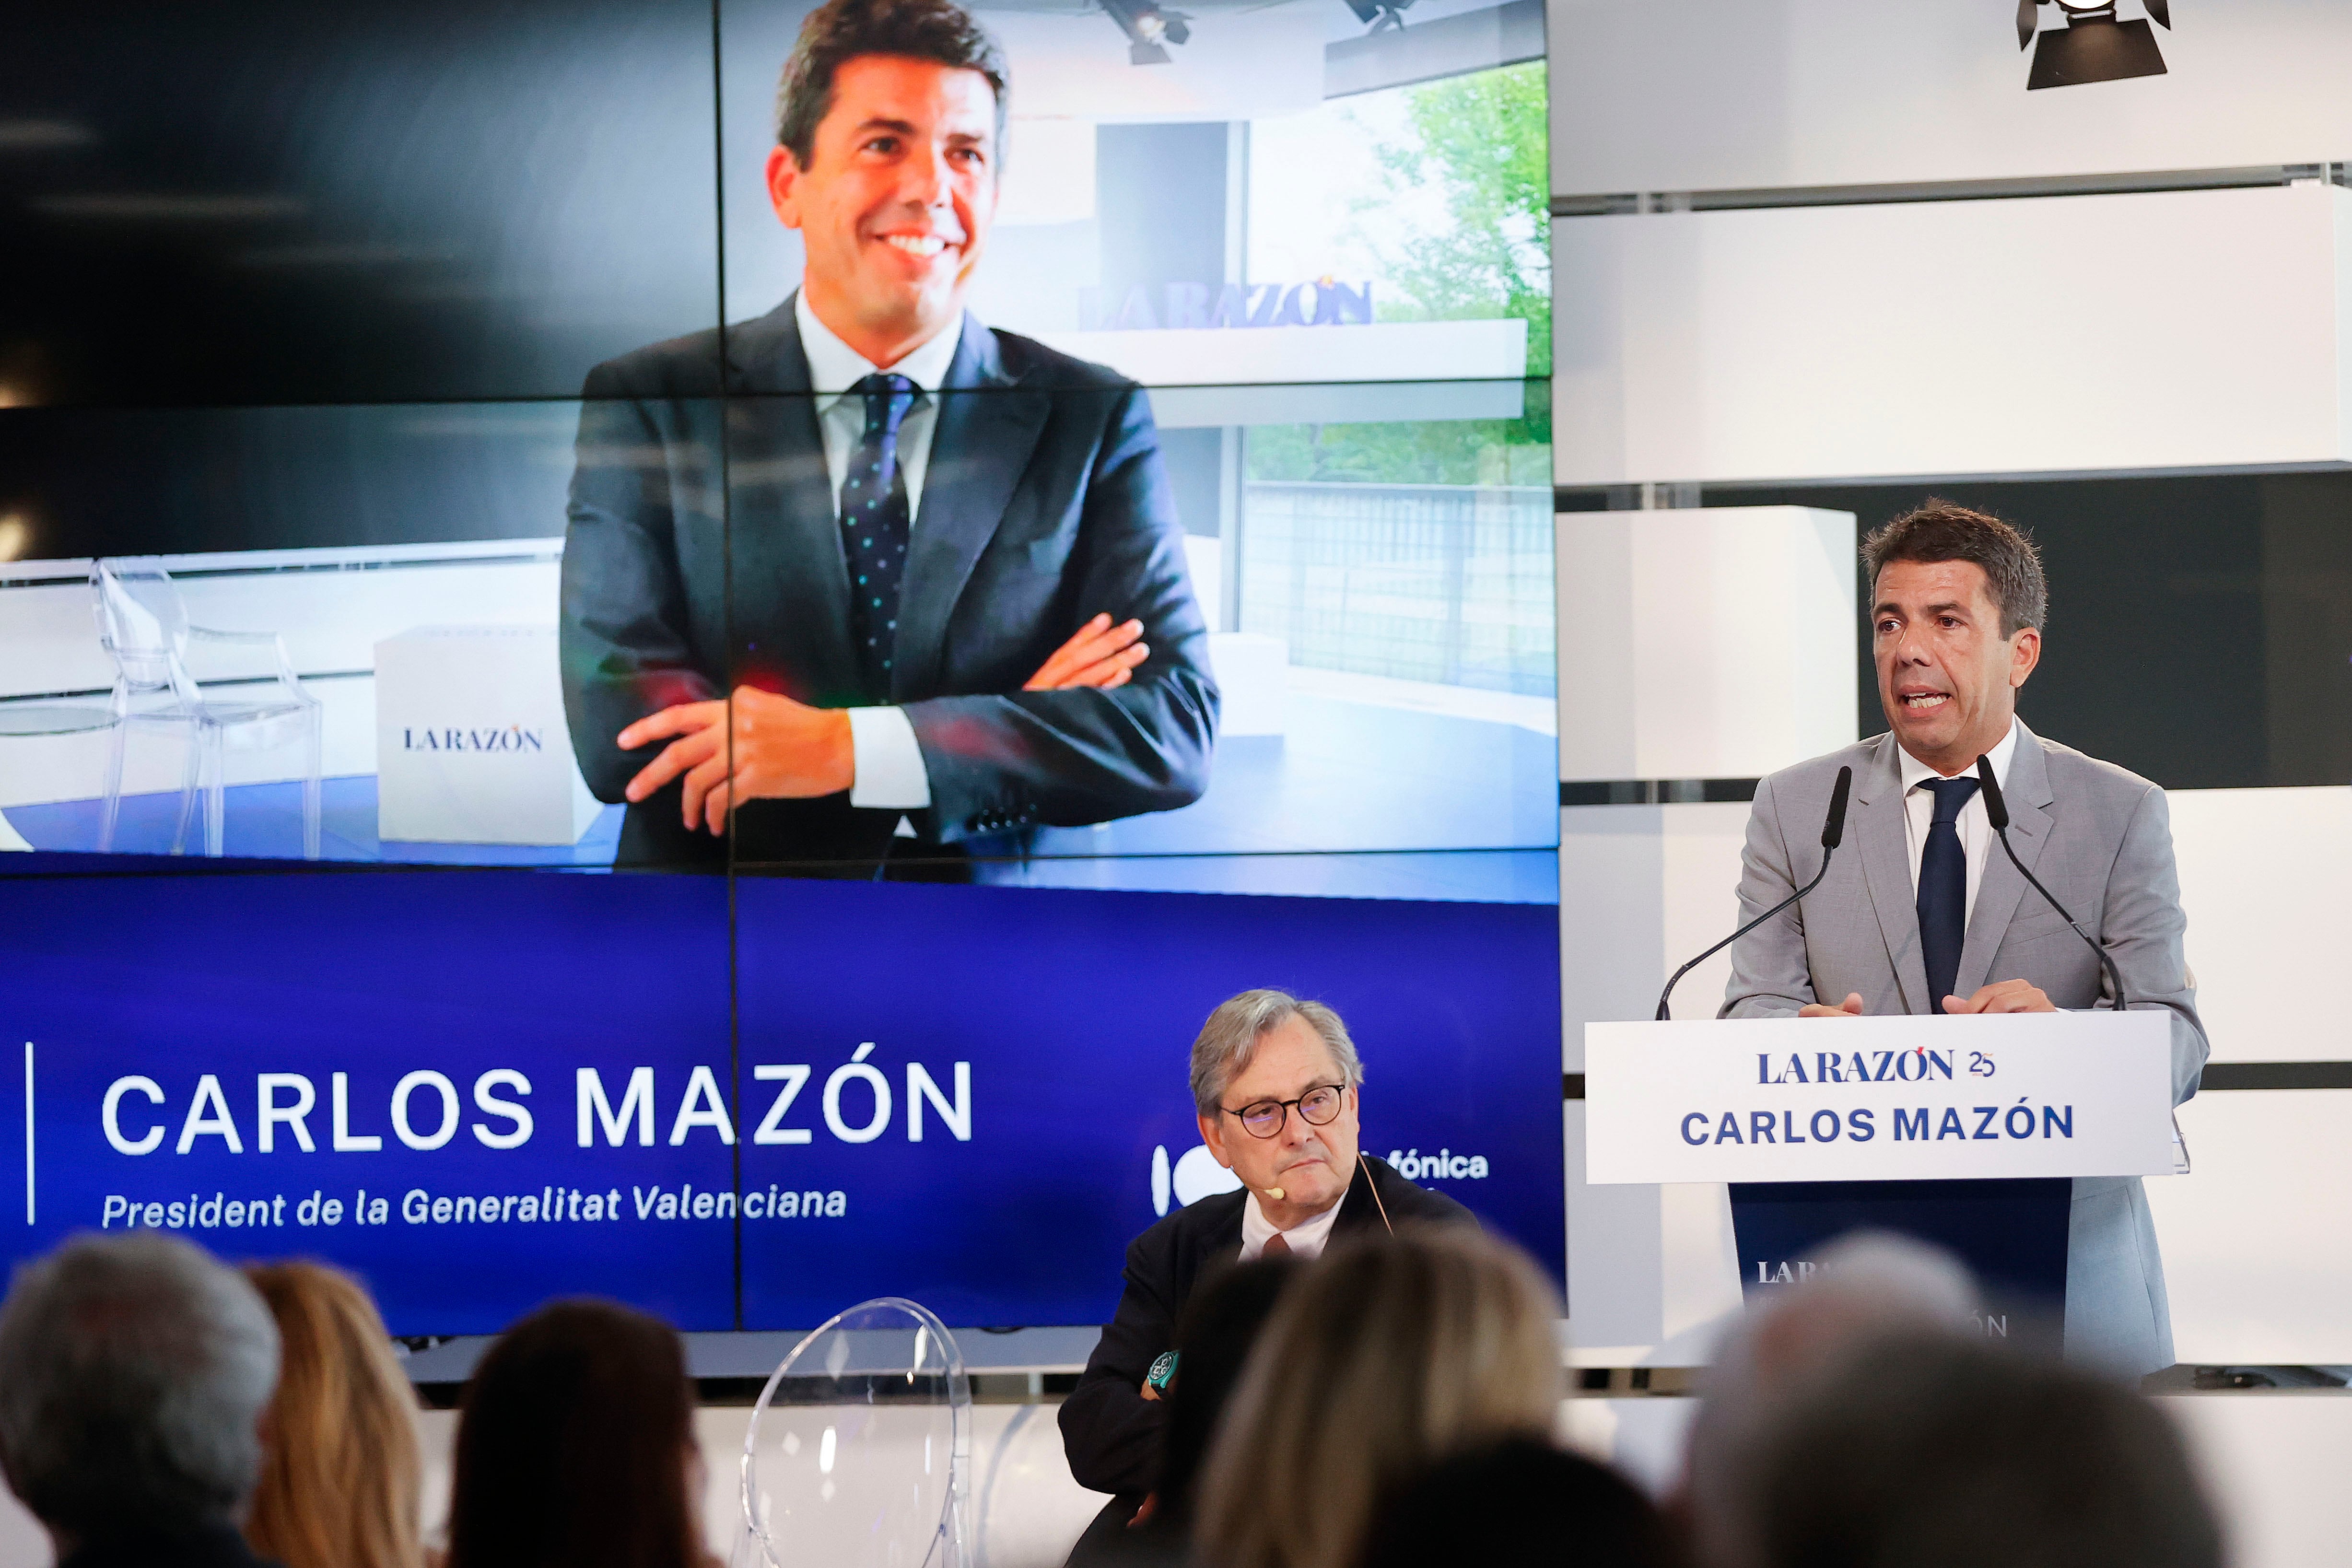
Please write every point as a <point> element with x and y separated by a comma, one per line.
<point>2025,654</point>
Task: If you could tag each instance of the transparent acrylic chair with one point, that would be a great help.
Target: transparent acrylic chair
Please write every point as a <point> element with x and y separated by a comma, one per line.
<point>248,700</point>
<point>859,1451</point>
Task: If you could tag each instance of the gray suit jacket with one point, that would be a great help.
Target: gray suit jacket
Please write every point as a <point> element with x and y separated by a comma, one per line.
<point>704,552</point>
<point>2100,839</point>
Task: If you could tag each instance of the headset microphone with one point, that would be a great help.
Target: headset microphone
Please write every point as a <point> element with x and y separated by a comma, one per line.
<point>1274,1193</point>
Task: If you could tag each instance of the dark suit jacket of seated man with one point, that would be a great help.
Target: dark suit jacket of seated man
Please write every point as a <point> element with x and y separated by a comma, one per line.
<point>1109,1431</point>
<point>1044,502</point>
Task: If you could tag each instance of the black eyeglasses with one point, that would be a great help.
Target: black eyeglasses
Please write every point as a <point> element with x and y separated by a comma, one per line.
<point>1264,1118</point>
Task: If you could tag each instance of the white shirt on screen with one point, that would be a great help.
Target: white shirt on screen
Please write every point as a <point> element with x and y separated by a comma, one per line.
<point>1974,825</point>
<point>1305,1239</point>
<point>888,762</point>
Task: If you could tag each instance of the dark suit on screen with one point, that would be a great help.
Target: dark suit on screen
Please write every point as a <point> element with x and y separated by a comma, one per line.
<point>1110,1432</point>
<point>1044,502</point>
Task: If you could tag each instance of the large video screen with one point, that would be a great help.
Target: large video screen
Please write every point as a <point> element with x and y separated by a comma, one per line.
<point>436,460</point>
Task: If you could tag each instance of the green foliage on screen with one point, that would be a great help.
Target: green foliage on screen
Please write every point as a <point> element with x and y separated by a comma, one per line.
<point>1482,146</point>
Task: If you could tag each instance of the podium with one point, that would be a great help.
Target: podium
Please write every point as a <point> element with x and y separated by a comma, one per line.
<point>1962,1131</point>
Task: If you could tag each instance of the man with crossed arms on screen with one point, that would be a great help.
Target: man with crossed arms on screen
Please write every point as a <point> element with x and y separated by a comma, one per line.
<point>1932,917</point>
<point>928,578</point>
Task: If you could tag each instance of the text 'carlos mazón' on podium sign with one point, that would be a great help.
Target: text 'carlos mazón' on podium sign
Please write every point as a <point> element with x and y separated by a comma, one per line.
<point>1879,1100</point>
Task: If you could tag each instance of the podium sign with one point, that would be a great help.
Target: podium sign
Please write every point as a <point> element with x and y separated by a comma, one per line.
<point>1903,1099</point>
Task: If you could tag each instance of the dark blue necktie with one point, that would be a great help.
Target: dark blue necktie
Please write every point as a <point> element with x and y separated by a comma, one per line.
<point>875,524</point>
<point>1944,890</point>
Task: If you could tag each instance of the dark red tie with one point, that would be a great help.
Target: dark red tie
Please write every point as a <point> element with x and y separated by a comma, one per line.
<point>1274,1246</point>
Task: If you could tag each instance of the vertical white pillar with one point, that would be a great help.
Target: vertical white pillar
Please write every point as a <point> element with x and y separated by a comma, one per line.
<point>1709,644</point>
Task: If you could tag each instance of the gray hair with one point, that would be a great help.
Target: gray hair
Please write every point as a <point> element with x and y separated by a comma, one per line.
<point>1230,1038</point>
<point>133,1371</point>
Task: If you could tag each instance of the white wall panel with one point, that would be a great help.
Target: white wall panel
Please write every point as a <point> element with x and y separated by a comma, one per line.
<point>2273,1465</point>
<point>1701,95</point>
<point>2257,1239</point>
<point>2178,330</point>
<point>1704,643</point>
<point>1643,888</point>
<point>1651,1269</point>
<point>2266,879</point>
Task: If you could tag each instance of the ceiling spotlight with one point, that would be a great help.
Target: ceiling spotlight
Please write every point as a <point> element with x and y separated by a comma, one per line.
<point>1149,29</point>
<point>2093,45</point>
<point>1377,15</point>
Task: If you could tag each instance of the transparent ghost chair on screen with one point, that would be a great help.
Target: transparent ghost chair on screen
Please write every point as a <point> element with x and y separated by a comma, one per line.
<point>860,1452</point>
<point>222,690</point>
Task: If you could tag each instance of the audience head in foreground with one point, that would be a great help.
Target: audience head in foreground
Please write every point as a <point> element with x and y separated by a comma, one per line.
<point>1388,1356</point>
<point>340,1475</point>
<point>134,1373</point>
<point>1220,1326</point>
<point>1868,1287</point>
<point>1936,1451</point>
<point>575,1447</point>
<point>1520,1502</point>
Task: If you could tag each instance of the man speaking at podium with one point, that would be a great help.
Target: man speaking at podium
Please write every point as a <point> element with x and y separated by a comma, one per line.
<point>1931,917</point>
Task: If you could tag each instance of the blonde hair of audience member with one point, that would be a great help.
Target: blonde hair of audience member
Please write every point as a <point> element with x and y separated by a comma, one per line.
<point>340,1478</point>
<point>1389,1355</point>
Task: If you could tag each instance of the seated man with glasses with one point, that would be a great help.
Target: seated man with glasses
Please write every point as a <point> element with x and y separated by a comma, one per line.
<point>1276,1081</point>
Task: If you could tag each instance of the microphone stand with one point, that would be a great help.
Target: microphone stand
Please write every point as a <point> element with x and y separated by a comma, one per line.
<point>1997,812</point>
<point>1833,834</point>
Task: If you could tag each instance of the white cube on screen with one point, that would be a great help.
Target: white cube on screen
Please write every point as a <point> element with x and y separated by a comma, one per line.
<point>1254,678</point>
<point>471,746</point>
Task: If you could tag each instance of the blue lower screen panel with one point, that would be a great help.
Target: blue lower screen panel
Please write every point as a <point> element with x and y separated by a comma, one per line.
<point>481,1090</point>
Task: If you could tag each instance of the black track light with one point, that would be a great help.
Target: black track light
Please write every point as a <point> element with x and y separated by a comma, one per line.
<point>2093,45</point>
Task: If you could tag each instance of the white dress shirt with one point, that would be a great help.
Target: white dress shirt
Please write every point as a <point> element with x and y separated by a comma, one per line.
<point>888,762</point>
<point>1306,1239</point>
<point>1974,825</point>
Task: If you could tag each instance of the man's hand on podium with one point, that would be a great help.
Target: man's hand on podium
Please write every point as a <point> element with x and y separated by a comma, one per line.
<point>1849,1008</point>
<point>2003,997</point>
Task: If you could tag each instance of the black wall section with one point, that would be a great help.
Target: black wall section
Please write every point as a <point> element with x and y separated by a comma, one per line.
<point>371,201</point>
<point>2201,629</point>
<point>165,481</point>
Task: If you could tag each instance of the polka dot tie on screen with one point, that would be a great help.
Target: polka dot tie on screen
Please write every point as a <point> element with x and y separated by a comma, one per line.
<point>875,523</point>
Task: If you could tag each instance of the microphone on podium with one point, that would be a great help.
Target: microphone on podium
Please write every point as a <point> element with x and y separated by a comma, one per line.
<point>1833,834</point>
<point>1997,812</point>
